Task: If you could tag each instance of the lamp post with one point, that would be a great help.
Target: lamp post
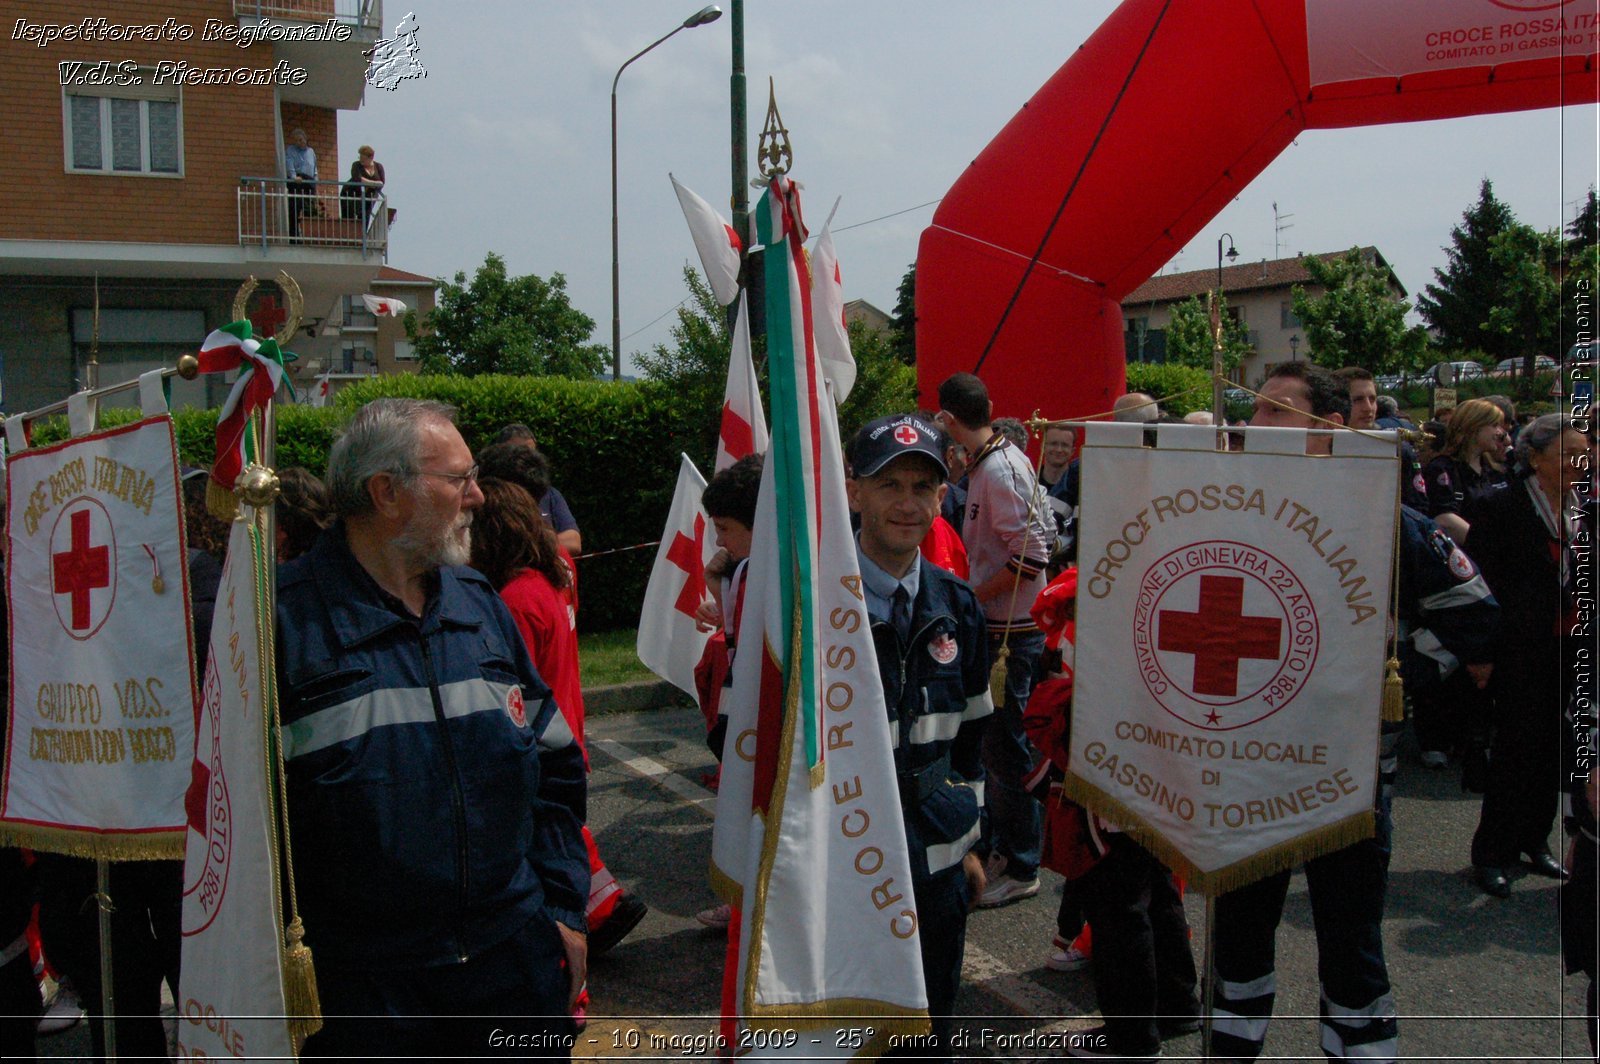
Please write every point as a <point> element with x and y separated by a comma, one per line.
<point>1216,331</point>
<point>706,14</point>
<point>1294,348</point>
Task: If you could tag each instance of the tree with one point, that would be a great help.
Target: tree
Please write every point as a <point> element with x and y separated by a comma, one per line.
<point>1525,316</point>
<point>884,383</point>
<point>1357,320</point>
<point>696,365</point>
<point>1457,307</point>
<point>1190,341</point>
<point>503,324</point>
<point>903,325</point>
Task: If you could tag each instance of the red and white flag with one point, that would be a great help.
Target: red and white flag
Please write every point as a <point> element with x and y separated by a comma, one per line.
<point>383,306</point>
<point>322,391</point>
<point>716,242</point>
<point>744,426</point>
<point>827,312</point>
<point>669,644</point>
<point>809,843</point>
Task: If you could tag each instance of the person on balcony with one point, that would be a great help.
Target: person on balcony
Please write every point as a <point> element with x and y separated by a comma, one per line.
<point>366,182</point>
<point>300,168</point>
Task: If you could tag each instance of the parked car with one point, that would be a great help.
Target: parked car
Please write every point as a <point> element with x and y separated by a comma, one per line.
<point>1510,367</point>
<point>1463,371</point>
<point>1390,382</point>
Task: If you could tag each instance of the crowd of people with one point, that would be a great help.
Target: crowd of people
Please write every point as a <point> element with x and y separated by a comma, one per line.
<point>430,685</point>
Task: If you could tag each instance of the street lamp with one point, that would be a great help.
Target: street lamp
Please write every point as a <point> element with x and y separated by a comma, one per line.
<point>1216,327</point>
<point>1294,348</point>
<point>706,14</point>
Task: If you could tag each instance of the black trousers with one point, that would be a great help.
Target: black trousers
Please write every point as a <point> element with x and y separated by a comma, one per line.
<point>511,1000</point>
<point>1519,802</point>
<point>1143,968</point>
<point>146,942</point>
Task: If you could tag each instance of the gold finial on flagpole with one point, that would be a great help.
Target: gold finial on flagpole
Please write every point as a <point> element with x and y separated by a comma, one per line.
<point>776,153</point>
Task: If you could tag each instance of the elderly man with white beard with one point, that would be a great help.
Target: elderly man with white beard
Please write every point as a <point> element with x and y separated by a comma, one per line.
<point>435,793</point>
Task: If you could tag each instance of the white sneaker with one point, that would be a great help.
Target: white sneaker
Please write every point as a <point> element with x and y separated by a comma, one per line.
<point>1005,889</point>
<point>1435,759</point>
<point>1070,959</point>
<point>718,916</point>
<point>62,1012</point>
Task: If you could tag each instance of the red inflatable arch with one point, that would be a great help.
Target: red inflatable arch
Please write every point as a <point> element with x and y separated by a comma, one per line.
<point>1155,124</point>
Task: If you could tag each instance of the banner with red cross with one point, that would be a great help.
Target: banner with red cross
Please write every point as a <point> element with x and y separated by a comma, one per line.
<point>670,643</point>
<point>1231,621</point>
<point>102,691</point>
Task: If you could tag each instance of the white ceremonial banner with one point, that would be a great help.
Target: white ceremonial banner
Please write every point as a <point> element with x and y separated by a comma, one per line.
<point>231,997</point>
<point>1231,643</point>
<point>809,842</point>
<point>1351,40</point>
<point>102,657</point>
<point>668,643</point>
<point>743,429</point>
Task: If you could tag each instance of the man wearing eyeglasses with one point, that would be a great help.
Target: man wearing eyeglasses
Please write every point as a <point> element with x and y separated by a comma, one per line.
<point>435,793</point>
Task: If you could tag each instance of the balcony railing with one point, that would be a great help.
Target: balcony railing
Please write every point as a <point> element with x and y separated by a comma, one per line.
<point>311,214</point>
<point>364,13</point>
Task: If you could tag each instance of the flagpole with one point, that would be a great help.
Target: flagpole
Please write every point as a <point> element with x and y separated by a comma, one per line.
<point>108,997</point>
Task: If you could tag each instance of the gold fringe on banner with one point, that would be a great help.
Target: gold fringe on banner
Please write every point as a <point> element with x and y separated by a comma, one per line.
<point>300,998</point>
<point>222,503</point>
<point>98,846</point>
<point>1394,696</point>
<point>1279,858</point>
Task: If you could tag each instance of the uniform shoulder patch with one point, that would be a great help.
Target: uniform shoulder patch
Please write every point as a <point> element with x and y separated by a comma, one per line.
<point>943,648</point>
<point>516,709</point>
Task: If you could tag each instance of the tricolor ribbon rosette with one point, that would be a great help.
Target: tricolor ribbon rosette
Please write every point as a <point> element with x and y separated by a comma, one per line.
<point>260,365</point>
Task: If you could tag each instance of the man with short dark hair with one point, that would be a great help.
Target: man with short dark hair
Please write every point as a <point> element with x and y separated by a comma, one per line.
<point>552,503</point>
<point>1008,545</point>
<point>928,633</point>
<point>435,793</point>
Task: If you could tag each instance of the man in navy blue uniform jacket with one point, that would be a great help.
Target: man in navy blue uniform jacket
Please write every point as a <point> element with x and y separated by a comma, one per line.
<point>435,794</point>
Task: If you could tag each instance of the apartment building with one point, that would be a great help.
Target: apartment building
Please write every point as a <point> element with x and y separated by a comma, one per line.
<point>1260,294</point>
<point>145,180</point>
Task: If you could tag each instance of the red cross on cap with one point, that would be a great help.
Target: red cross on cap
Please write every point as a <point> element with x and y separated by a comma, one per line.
<point>906,435</point>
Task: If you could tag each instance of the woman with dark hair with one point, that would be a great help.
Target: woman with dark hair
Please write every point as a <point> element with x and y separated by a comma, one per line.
<point>302,512</point>
<point>1522,537</point>
<point>1468,466</point>
<point>515,547</point>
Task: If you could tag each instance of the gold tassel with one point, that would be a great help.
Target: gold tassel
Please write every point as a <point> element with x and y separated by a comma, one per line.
<point>1394,699</point>
<point>222,503</point>
<point>997,677</point>
<point>300,984</point>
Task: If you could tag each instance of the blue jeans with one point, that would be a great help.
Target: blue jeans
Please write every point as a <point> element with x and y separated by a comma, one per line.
<point>1347,889</point>
<point>1014,820</point>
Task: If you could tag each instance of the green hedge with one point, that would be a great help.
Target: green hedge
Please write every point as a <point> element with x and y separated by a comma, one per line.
<point>613,450</point>
<point>1181,389</point>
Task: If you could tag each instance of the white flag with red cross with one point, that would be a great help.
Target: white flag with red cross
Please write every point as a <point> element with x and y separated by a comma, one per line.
<point>384,306</point>
<point>716,242</point>
<point>102,689</point>
<point>669,642</point>
<point>744,426</point>
<point>832,332</point>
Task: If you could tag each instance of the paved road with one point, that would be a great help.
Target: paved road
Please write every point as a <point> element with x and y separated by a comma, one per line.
<point>1475,978</point>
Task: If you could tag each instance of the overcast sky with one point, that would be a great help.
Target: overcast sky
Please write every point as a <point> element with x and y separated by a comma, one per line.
<point>505,145</point>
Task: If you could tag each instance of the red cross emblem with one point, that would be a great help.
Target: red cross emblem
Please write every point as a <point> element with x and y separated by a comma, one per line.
<point>1224,634</point>
<point>268,317</point>
<point>906,435</point>
<point>79,567</point>
<point>1219,635</point>
<point>688,554</point>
